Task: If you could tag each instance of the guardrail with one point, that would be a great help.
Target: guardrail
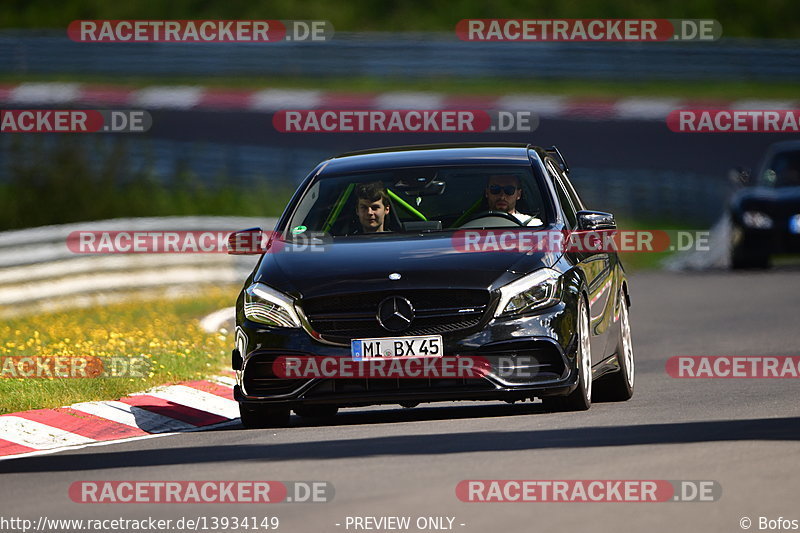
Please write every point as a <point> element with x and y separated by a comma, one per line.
<point>38,269</point>
<point>407,55</point>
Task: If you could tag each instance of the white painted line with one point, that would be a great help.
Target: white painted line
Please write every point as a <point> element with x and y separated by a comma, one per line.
<point>172,97</point>
<point>110,442</point>
<point>197,399</point>
<point>544,106</point>
<point>409,100</point>
<point>228,381</point>
<point>276,99</point>
<point>646,108</point>
<point>214,321</point>
<point>37,435</point>
<point>44,93</point>
<point>132,416</point>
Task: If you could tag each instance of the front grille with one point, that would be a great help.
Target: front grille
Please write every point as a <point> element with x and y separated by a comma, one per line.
<point>340,318</point>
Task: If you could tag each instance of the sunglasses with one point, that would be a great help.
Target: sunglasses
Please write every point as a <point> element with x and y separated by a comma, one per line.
<point>507,189</point>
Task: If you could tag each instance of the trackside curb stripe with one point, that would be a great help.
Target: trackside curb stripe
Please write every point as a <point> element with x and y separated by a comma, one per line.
<point>134,417</point>
<point>170,409</point>
<point>271,100</point>
<point>37,435</point>
<point>167,410</point>
<point>83,424</point>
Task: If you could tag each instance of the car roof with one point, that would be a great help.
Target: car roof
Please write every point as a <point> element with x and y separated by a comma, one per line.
<point>775,149</point>
<point>785,146</point>
<point>430,155</point>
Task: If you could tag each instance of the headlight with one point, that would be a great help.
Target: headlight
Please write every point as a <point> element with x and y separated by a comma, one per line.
<point>756,219</point>
<point>267,306</point>
<point>534,291</point>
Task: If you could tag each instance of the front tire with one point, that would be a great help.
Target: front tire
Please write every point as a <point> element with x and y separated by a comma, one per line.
<point>743,257</point>
<point>579,399</point>
<point>618,387</point>
<point>259,416</point>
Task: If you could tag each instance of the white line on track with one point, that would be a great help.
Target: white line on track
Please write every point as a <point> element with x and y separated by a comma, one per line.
<point>37,435</point>
<point>132,416</point>
<point>228,381</point>
<point>197,399</point>
<point>275,99</point>
<point>109,442</point>
<point>409,100</point>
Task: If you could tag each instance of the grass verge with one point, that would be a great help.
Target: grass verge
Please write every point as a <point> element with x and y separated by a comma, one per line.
<point>635,261</point>
<point>163,332</point>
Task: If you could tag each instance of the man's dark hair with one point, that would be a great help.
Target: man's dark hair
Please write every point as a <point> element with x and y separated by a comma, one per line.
<point>372,192</point>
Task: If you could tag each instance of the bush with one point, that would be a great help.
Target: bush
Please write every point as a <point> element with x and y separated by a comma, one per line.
<point>68,179</point>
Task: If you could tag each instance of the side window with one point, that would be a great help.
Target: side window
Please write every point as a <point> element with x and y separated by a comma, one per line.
<point>563,197</point>
<point>573,194</point>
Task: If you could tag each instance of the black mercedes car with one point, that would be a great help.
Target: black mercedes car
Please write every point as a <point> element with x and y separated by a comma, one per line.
<point>390,277</point>
<point>765,214</point>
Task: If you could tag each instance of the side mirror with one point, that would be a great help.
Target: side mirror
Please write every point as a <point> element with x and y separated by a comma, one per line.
<point>739,176</point>
<point>247,242</point>
<point>595,220</point>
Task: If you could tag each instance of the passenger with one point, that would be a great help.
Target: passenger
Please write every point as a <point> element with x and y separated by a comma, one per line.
<point>372,207</point>
<point>503,191</point>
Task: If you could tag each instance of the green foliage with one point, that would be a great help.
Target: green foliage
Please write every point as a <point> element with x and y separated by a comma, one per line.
<point>739,18</point>
<point>162,331</point>
<point>60,183</point>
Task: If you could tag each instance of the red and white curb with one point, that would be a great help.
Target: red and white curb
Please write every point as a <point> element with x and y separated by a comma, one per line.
<point>165,410</point>
<point>271,100</point>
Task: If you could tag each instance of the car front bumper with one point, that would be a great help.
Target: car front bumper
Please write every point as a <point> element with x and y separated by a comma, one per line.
<point>532,356</point>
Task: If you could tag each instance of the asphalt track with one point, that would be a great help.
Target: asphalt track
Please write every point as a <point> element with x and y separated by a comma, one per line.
<point>742,433</point>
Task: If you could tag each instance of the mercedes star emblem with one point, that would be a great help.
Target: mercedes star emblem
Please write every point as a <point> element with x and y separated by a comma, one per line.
<point>395,313</point>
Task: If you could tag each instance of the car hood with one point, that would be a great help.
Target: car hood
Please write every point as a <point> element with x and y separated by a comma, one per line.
<point>364,264</point>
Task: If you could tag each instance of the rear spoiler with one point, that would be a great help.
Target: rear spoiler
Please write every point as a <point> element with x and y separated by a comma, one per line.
<point>555,153</point>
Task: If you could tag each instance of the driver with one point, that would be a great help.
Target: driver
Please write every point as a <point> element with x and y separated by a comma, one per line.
<point>372,207</point>
<point>503,191</point>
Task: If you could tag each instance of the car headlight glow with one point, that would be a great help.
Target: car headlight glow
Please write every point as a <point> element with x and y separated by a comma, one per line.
<point>535,291</point>
<point>756,219</point>
<point>265,305</point>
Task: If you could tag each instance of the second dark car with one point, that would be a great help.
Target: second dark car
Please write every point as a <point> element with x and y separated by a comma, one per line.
<point>765,213</point>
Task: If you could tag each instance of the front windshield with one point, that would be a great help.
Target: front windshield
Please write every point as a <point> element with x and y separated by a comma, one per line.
<point>421,199</point>
<point>783,171</point>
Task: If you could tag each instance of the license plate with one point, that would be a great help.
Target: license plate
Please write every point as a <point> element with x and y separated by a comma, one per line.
<point>419,346</point>
<point>794,224</point>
